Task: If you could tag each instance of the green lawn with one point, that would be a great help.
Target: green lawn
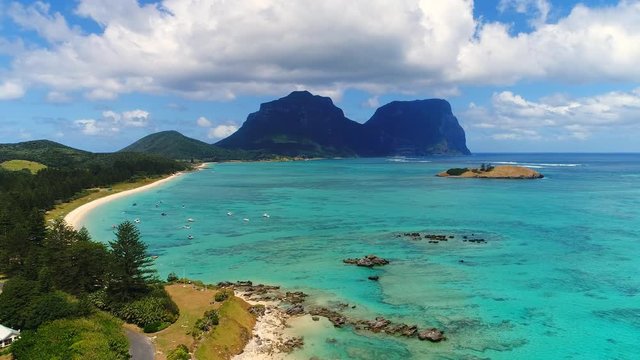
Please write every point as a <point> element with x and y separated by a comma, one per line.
<point>18,165</point>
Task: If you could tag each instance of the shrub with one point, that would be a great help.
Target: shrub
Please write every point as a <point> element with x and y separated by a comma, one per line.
<point>206,323</point>
<point>172,277</point>
<point>457,171</point>
<point>181,352</point>
<point>223,295</point>
<point>97,337</point>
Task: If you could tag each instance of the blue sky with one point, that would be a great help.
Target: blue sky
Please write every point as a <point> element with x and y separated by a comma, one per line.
<point>521,75</point>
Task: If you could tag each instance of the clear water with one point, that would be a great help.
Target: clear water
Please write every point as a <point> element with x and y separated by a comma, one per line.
<point>558,278</point>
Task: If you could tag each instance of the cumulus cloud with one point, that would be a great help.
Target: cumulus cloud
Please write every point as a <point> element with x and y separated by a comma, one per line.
<point>203,122</point>
<point>512,117</point>
<point>11,89</point>
<point>112,122</point>
<point>217,49</point>
<point>221,131</point>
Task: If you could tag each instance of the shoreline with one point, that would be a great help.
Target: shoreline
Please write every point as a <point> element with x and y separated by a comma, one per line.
<point>76,216</point>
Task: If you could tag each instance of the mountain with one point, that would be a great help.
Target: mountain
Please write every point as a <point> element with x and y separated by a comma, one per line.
<point>415,128</point>
<point>300,124</point>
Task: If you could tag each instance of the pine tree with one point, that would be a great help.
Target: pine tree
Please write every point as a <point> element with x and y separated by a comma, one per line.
<point>131,270</point>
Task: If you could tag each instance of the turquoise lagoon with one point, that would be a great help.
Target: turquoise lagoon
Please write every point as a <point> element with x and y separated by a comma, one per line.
<point>557,279</point>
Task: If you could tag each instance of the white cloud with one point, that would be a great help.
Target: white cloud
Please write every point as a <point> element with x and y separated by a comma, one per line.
<point>512,117</point>
<point>540,7</point>
<point>11,89</point>
<point>217,49</point>
<point>221,131</point>
<point>372,102</point>
<point>112,122</point>
<point>203,122</point>
<point>52,27</point>
<point>135,118</point>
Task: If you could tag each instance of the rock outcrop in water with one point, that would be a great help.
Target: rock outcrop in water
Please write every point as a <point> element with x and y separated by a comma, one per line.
<point>302,124</point>
<point>498,172</point>
<point>367,261</point>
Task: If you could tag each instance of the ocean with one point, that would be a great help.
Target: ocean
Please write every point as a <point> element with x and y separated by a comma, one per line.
<point>558,276</point>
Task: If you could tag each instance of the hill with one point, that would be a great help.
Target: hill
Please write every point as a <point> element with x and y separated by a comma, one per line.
<point>300,124</point>
<point>174,145</point>
<point>46,152</point>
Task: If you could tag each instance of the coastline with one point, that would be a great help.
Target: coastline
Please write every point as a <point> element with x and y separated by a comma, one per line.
<point>76,217</point>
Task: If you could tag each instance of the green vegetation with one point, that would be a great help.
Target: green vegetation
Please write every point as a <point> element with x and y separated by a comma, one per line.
<point>97,337</point>
<point>56,274</point>
<point>223,295</point>
<point>205,323</point>
<point>181,352</point>
<point>22,165</point>
<point>457,171</point>
<point>231,334</point>
<point>174,145</point>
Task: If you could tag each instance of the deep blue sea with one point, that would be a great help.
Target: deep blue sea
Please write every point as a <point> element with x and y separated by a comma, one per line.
<point>559,276</point>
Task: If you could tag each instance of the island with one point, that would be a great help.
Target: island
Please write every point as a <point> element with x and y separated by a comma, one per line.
<point>487,171</point>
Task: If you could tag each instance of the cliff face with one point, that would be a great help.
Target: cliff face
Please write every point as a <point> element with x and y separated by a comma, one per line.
<point>420,127</point>
<point>302,124</point>
<point>298,124</point>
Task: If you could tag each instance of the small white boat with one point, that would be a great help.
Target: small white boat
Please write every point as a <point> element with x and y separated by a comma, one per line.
<point>265,215</point>
<point>229,213</point>
<point>245,219</point>
<point>190,220</point>
<point>137,221</point>
<point>190,237</point>
<point>187,227</point>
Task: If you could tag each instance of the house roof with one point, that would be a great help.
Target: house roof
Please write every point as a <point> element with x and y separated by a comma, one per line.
<point>6,332</point>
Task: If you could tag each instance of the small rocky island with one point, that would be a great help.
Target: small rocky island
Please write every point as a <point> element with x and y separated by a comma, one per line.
<point>487,171</point>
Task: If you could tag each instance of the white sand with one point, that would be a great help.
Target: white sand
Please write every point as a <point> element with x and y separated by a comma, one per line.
<point>76,217</point>
<point>268,334</point>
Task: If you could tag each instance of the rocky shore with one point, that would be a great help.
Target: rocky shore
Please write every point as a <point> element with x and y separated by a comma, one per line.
<point>274,307</point>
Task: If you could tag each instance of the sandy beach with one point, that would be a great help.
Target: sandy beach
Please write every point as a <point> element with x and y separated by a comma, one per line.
<point>268,333</point>
<point>76,217</point>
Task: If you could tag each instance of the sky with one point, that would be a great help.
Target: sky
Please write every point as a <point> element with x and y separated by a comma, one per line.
<point>521,75</point>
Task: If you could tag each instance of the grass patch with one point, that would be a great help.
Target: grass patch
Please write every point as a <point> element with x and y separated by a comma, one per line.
<point>61,210</point>
<point>232,333</point>
<point>19,165</point>
<point>193,302</point>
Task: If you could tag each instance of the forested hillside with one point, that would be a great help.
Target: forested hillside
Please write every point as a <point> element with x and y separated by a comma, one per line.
<point>59,277</point>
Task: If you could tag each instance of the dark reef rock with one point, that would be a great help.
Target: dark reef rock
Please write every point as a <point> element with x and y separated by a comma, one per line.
<point>433,335</point>
<point>367,261</point>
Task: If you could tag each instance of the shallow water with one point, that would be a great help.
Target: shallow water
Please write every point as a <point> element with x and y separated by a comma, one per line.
<point>557,278</point>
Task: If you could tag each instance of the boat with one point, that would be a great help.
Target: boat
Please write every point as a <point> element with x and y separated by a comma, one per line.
<point>164,214</point>
<point>265,215</point>
<point>186,227</point>
<point>190,237</point>
<point>137,221</point>
<point>229,213</point>
<point>190,220</point>
<point>245,219</point>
